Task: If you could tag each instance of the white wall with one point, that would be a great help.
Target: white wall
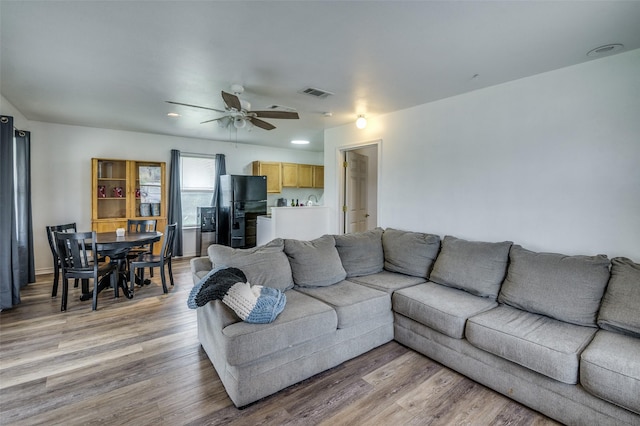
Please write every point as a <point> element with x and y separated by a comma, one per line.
<point>61,170</point>
<point>551,162</point>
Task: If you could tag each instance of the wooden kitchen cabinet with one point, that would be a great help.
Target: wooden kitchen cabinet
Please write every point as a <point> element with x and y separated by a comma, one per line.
<point>318,176</point>
<point>127,189</point>
<point>290,175</point>
<point>273,172</point>
<point>305,176</point>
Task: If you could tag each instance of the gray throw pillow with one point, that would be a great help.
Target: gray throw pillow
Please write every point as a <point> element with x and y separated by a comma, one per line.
<point>474,266</point>
<point>620,310</point>
<point>361,252</point>
<point>567,288</point>
<point>315,263</point>
<point>409,253</point>
<point>265,265</point>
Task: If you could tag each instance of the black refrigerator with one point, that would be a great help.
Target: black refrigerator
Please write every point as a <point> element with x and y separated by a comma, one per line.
<point>242,200</point>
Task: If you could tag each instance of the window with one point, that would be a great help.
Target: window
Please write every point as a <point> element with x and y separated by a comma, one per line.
<point>197,186</point>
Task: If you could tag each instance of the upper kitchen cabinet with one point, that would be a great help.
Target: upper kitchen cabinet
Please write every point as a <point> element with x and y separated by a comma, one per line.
<point>305,176</point>
<point>318,176</point>
<point>126,189</point>
<point>289,175</point>
<point>272,171</point>
<point>302,176</point>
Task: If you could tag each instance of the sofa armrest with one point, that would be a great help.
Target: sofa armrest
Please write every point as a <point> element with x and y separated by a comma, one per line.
<point>200,266</point>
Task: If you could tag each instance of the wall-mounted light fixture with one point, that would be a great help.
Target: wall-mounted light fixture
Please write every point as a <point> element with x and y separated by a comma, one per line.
<point>361,122</point>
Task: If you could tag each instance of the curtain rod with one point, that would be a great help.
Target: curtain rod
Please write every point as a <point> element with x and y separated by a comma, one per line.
<point>4,119</point>
<point>197,154</point>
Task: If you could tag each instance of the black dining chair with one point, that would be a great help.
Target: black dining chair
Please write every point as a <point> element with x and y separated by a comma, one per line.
<point>136,226</point>
<point>149,260</point>
<point>69,227</point>
<point>79,260</point>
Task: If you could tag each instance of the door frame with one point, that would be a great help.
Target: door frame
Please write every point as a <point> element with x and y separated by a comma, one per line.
<point>340,193</point>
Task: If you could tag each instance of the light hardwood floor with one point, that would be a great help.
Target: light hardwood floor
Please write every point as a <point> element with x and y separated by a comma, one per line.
<point>139,362</point>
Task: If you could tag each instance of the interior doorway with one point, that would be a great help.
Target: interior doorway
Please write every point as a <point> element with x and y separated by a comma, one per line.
<point>359,188</point>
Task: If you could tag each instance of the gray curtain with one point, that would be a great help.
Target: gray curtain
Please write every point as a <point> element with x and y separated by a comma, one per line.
<point>175,203</point>
<point>16,230</point>
<point>221,169</point>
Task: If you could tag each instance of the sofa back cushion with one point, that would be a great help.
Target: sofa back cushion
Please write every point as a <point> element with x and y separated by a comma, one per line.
<point>474,266</point>
<point>409,253</point>
<point>567,288</point>
<point>315,263</point>
<point>620,310</point>
<point>361,252</point>
<point>265,265</point>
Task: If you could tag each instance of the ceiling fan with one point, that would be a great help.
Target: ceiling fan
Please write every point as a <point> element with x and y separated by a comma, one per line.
<point>238,111</point>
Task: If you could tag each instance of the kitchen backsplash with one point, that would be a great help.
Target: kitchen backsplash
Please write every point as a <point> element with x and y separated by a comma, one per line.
<point>300,194</point>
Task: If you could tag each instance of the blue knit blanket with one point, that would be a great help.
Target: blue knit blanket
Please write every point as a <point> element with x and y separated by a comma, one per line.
<point>254,304</point>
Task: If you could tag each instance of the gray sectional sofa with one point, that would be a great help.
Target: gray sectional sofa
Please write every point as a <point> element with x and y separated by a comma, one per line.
<point>560,334</point>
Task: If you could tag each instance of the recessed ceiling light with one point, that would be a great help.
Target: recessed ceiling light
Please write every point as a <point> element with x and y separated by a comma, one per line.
<point>173,114</point>
<point>605,50</point>
<point>300,142</point>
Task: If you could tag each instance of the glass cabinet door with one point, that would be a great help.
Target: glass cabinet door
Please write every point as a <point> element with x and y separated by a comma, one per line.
<point>148,191</point>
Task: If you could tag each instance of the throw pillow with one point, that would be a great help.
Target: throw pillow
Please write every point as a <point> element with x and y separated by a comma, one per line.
<point>409,253</point>
<point>567,288</point>
<point>315,263</point>
<point>361,252</point>
<point>620,310</point>
<point>474,266</point>
<point>265,265</point>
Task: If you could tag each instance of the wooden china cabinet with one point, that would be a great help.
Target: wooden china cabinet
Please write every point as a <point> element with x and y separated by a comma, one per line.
<point>127,189</point>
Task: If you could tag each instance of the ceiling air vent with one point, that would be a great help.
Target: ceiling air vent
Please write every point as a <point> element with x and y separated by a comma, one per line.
<point>317,93</point>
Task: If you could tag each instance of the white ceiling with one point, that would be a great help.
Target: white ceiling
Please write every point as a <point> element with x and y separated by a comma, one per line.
<point>113,64</point>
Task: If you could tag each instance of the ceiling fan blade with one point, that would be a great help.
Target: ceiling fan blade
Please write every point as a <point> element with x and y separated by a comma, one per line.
<point>262,124</point>
<point>194,106</point>
<point>276,114</point>
<point>232,101</point>
<point>215,119</point>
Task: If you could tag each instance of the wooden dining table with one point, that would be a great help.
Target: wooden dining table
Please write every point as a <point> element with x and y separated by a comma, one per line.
<point>116,248</point>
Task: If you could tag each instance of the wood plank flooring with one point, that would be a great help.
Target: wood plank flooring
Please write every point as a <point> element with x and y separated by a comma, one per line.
<point>139,362</point>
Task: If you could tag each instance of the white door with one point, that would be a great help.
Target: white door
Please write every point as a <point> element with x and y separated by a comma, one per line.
<point>355,207</point>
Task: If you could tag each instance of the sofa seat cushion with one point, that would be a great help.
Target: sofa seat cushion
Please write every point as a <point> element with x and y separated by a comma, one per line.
<point>567,288</point>
<point>474,266</point>
<point>388,281</point>
<point>410,253</point>
<point>610,369</point>
<point>361,252</point>
<point>441,308</point>
<point>354,303</point>
<point>304,318</point>
<point>542,344</point>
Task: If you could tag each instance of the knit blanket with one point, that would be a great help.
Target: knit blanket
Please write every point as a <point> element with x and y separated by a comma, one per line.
<point>252,303</point>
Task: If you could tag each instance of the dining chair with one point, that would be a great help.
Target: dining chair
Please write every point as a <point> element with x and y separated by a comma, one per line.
<point>69,227</point>
<point>79,260</point>
<point>136,226</point>
<point>150,260</point>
